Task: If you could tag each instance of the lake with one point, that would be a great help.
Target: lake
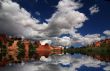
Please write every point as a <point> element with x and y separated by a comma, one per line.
<point>66,62</point>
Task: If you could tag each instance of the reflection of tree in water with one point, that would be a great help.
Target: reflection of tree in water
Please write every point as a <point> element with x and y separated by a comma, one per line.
<point>101,57</point>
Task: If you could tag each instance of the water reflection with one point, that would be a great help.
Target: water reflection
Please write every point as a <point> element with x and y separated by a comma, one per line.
<point>101,57</point>
<point>76,62</point>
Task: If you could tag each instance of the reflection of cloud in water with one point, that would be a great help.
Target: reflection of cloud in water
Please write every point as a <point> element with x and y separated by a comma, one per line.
<point>53,63</point>
<point>107,68</point>
<point>74,62</point>
<point>43,58</point>
<point>48,67</point>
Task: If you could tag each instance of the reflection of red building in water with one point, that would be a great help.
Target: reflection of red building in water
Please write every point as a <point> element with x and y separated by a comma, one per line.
<point>26,48</point>
<point>46,50</point>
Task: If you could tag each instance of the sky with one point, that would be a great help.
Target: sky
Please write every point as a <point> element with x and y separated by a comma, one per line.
<point>57,22</point>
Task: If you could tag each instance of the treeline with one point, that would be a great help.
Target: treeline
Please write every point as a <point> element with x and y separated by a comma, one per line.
<point>104,49</point>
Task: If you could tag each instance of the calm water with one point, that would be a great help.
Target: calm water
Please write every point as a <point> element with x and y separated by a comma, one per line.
<point>76,62</point>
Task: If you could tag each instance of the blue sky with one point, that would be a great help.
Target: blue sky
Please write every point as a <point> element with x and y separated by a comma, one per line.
<point>99,22</point>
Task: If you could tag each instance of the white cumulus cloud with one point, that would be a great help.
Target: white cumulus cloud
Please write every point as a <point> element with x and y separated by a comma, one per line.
<point>85,40</point>
<point>107,32</point>
<point>63,41</point>
<point>43,42</point>
<point>66,18</point>
<point>15,20</point>
<point>94,9</point>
